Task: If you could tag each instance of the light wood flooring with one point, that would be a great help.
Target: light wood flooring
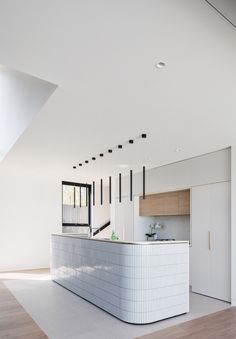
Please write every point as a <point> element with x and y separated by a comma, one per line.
<point>220,325</point>
<point>15,322</point>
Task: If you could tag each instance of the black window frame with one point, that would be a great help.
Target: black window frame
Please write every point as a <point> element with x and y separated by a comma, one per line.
<point>69,183</point>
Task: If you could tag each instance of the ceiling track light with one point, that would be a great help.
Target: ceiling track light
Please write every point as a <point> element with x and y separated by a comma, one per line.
<point>120,146</point>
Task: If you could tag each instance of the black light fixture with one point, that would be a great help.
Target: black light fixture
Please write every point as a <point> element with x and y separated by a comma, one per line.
<point>144,188</point>
<point>119,146</point>
<point>74,196</point>
<point>119,187</point>
<point>86,187</point>
<point>110,190</point>
<point>131,185</point>
<point>101,191</point>
<point>93,193</point>
<point>74,167</point>
<point>80,204</point>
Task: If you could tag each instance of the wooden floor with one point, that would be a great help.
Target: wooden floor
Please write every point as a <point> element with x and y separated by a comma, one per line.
<point>220,325</point>
<point>15,322</point>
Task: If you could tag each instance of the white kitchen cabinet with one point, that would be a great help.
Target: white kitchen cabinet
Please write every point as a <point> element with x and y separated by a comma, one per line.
<point>210,252</point>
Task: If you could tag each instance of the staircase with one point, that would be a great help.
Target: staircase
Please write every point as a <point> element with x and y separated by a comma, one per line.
<point>98,230</point>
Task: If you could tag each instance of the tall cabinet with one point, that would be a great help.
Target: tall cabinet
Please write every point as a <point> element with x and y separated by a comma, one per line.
<point>210,252</point>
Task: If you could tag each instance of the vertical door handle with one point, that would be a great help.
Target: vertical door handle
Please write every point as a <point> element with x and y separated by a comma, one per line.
<point>209,240</point>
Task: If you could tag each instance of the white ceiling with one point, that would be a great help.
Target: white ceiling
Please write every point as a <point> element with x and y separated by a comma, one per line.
<point>102,55</point>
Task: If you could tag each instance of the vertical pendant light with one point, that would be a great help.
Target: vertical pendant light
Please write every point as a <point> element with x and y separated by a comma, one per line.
<point>74,196</point>
<point>144,193</point>
<point>101,191</point>
<point>110,190</point>
<point>93,193</point>
<point>119,187</point>
<point>80,196</point>
<point>86,187</point>
<point>131,185</point>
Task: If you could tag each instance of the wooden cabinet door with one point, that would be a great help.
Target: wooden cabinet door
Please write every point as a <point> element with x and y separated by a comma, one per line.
<point>171,203</point>
<point>184,202</point>
<point>152,205</point>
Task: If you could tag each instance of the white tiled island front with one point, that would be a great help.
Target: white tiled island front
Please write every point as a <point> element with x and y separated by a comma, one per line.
<point>138,282</point>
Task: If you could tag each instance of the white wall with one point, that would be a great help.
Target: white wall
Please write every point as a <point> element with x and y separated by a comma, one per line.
<point>233,225</point>
<point>30,210</point>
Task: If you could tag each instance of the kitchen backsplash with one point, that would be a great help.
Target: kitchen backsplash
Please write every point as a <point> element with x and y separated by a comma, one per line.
<point>176,227</point>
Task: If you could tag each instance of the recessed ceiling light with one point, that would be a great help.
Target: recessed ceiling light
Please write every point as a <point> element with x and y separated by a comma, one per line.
<point>178,149</point>
<point>160,64</point>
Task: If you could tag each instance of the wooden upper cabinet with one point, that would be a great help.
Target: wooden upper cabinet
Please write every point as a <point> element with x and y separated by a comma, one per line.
<point>169,203</point>
<point>184,202</point>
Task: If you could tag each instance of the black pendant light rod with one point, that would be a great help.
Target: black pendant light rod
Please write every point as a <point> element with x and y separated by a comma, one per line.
<point>144,188</point>
<point>101,191</point>
<point>93,193</point>
<point>80,197</point>
<point>119,187</point>
<point>86,187</point>
<point>131,184</point>
<point>110,190</point>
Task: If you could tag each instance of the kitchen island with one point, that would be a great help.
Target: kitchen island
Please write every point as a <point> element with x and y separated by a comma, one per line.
<point>138,282</point>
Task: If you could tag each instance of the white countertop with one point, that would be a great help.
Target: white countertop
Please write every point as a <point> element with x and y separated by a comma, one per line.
<point>122,241</point>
